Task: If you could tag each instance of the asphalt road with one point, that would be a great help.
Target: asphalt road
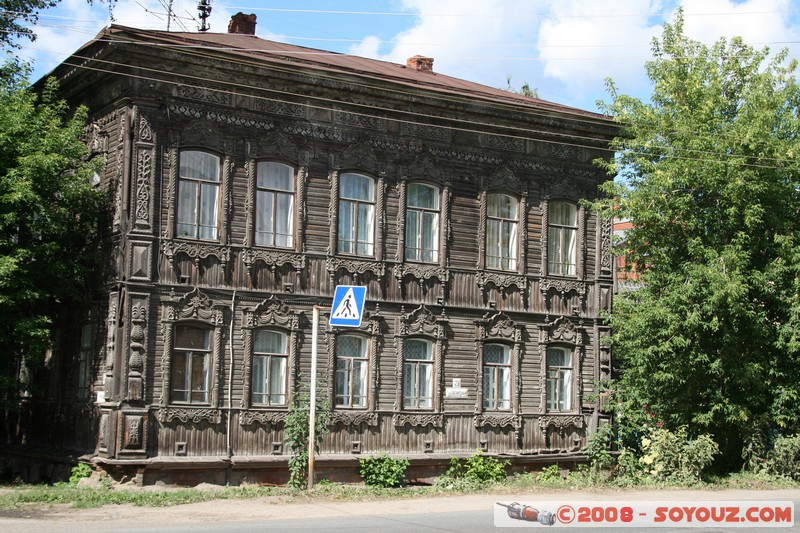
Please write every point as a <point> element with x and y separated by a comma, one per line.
<point>460,514</point>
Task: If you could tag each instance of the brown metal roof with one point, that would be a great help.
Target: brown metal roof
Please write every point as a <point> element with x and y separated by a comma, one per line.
<point>250,47</point>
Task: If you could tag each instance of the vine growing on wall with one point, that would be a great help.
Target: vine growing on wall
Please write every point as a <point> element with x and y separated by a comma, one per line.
<point>297,435</point>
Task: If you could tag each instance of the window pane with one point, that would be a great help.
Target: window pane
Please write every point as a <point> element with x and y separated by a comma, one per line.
<point>272,175</point>
<point>187,209</point>
<point>365,227</point>
<point>571,250</point>
<point>409,385</point>
<point>559,357</point>
<point>192,338</point>
<point>501,206</point>
<point>425,385</point>
<point>180,386</point>
<point>496,354</point>
<point>200,368</point>
<point>416,349</point>
<point>277,381</point>
<point>430,237</point>
<point>343,382</point>
<point>284,220</point>
<point>565,392</point>
<point>208,211</point>
<point>351,346</point>
<point>488,388</point>
<point>413,234</point>
<point>359,383</point>
<point>563,213</point>
<point>493,243</point>
<point>272,342</point>
<point>259,386</point>
<point>422,195</point>
<point>503,388</point>
<point>199,165</point>
<point>356,187</point>
<point>265,218</point>
<point>346,232</point>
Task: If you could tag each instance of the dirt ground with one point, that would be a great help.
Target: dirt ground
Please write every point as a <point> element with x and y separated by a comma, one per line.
<point>60,518</point>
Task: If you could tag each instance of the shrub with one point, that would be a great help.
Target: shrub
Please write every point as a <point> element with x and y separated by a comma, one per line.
<point>480,468</point>
<point>550,474</point>
<point>672,455</point>
<point>383,471</point>
<point>78,472</point>
<point>297,435</point>
<point>784,458</point>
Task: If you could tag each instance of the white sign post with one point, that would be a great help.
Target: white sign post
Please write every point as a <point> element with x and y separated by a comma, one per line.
<point>347,310</point>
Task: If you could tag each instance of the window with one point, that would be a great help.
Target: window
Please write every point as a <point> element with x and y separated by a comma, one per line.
<point>562,246</point>
<point>191,365</point>
<point>270,355</point>
<point>85,362</point>
<point>501,231</point>
<point>274,205</point>
<point>417,374</point>
<point>351,371</point>
<point>496,376</point>
<point>559,379</point>
<point>422,223</point>
<point>356,231</point>
<point>198,195</point>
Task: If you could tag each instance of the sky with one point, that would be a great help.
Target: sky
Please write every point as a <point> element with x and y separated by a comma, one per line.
<point>564,49</point>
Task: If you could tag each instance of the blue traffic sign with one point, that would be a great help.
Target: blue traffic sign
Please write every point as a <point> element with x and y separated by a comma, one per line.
<point>347,308</point>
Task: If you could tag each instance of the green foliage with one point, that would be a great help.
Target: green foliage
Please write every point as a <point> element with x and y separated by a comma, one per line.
<point>382,471</point>
<point>78,472</point>
<point>479,468</point>
<point>296,434</point>
<point>598,448</point>
<point>672,455</point>
<point>784,458</point>
<point>550,474</point>
<point>709,176</point>
<point>49,220</point>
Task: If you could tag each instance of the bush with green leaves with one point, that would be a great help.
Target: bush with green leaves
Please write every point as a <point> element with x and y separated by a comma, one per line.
<point>383,471</point>
<point>296,434</point>
<point>550,474</point>
<point>784,458</point>
<point>480,468</point>
<point>674,456</point>
<point>79,472</point>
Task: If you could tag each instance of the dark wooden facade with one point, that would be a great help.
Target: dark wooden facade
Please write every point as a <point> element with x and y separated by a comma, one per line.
<point>155,96</point>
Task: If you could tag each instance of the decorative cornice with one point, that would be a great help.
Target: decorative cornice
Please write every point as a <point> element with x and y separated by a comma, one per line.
<point>561,422</point>
<point>418,420</point>
<point>500,280</point>
<point>195,251</point>
<point>562,286</point>
<point>421,272</point>
<point>498,420</point>
<point>273,259</point>
<point>354,418</point>
<point>190,414</point>
<point>265,418</point>
<point>356,266</point>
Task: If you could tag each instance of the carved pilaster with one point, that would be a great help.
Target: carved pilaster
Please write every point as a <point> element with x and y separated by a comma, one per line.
<point>137,340</point>
<point>142,197</point>
<point>171,196</point>
<point>333,211</point>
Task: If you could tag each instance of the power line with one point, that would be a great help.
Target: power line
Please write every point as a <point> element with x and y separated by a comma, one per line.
<point>523,133</point>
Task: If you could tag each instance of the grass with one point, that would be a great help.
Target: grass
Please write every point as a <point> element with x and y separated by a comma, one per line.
<point>16,497</point>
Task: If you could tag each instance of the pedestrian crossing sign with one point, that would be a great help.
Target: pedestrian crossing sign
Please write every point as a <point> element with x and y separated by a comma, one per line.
<point>347,308</point>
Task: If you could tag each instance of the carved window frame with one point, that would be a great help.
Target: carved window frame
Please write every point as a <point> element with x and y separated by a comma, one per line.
<point>270,314</point>
<point>197,309</point>
<point>421,323</point>
<point>370,329</point>
<point>580,238</point>
<point>357,265</point>
<point>563,333</point>
<point>276,256</point>
<point>503,181</point>
<point>420,270</point>
<point>219,185</point>
<point>198,249</point>
<point>499,329</point>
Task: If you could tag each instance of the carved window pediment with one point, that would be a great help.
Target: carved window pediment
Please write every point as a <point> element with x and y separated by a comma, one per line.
<point>418,419</point>
<point>268,419</point>
<point>190,414</point>
<point>421,321</point>
<point>562,330</point>
<point>354,418</point>
<point>499,326</point>
<point>271,312</point>
<point>195,251</point>
<point>194,305</point>
<point>505,179</point>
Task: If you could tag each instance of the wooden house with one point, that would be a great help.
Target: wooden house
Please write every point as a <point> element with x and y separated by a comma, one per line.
<point>247,179</point>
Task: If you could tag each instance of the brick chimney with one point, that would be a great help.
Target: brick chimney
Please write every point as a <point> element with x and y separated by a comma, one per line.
<point>242,24</point>
<point>420,63</point>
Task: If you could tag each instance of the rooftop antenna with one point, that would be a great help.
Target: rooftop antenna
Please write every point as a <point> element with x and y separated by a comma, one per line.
<point>204,9</point>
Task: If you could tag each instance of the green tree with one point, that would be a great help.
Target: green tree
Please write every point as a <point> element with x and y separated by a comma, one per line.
<point>710,178</point>
<point>16,17</point>
<point>49,215</point>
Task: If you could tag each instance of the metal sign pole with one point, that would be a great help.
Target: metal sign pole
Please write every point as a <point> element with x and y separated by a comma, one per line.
<point>312,407</point>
